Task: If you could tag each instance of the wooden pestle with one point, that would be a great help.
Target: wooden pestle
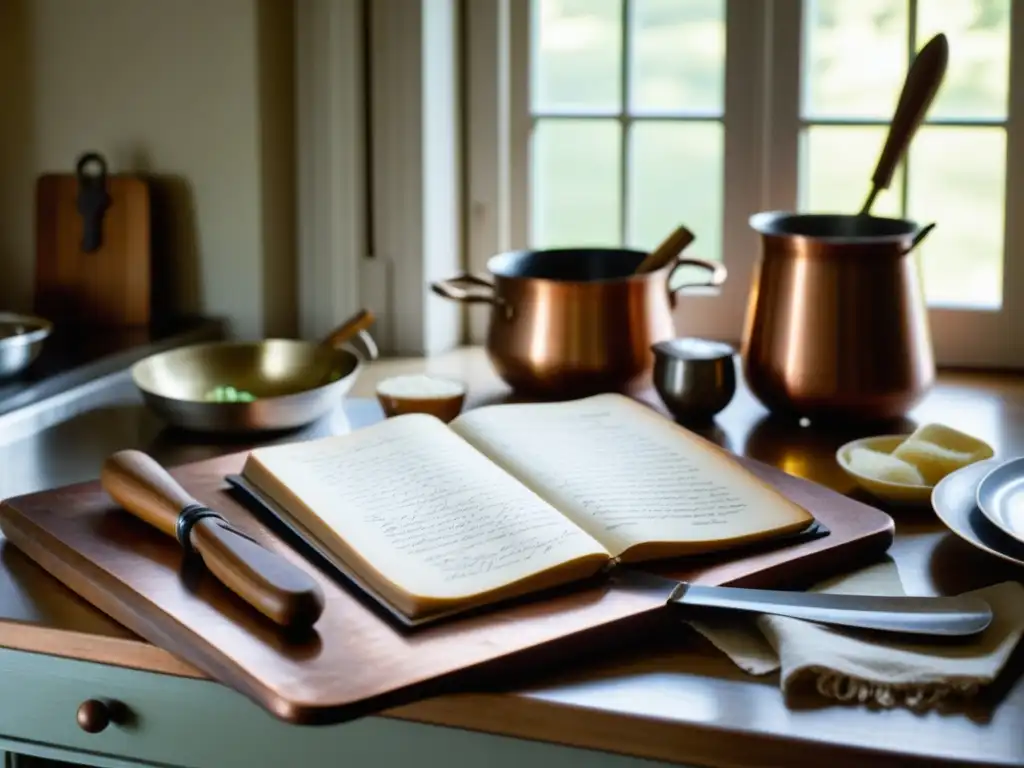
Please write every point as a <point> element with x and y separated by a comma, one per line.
<point>281,591</point>
<point>670,248</point>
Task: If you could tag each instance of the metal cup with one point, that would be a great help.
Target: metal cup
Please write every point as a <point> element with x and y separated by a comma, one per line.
<point>695,378</point>
<point>21,341</point>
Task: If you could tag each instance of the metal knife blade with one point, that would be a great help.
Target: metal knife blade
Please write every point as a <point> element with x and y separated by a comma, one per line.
<point>944,616</point>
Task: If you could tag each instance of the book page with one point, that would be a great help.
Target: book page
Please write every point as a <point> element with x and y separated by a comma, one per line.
<point>628,475</point>
<point>420,506</point>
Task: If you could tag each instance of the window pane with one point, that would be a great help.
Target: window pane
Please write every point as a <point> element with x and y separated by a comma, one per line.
<point>856,57</point>
<point>675,177</point>
<point>678,56</point>
<point>836,167</point>
<point>576,189</point>
<point>577,55</point>
<point>957,177</point>
<point>977,79</point>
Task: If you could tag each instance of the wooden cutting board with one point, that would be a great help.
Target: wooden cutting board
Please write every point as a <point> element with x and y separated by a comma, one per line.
<point>357,662</point>
<point>93,247</point>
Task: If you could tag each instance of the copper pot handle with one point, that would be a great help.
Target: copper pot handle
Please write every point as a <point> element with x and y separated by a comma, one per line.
<point>921,235</point>
<point>718,275</point>
<point>468,289</point>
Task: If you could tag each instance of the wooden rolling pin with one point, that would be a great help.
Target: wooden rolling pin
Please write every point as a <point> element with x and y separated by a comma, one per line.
<point>279,590</point>
<point>670,247</point>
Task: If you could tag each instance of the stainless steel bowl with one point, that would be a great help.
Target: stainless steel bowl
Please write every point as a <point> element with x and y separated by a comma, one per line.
<point>695,378</point>
<point>21,341</point>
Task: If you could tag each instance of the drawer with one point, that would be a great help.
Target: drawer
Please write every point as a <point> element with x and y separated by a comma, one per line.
<point>174,721</point>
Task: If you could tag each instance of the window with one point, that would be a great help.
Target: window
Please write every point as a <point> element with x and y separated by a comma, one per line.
<point>626,101</point>
<point>619,119</point>
<point>855,57</point>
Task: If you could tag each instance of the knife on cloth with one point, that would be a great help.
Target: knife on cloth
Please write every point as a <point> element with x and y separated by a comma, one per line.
<point>943,616</point>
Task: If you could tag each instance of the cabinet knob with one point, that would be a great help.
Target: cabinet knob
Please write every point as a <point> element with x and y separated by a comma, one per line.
<point>93,715</point>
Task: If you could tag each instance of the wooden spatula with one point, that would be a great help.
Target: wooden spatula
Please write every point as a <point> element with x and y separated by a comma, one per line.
<point>278,589</point>
<point>670,247</point>
<point>919,89</point>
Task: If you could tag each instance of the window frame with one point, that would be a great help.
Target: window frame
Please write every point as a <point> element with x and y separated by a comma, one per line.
<point>379,168</point>
<point>330,193</point>
<point>763,124</point>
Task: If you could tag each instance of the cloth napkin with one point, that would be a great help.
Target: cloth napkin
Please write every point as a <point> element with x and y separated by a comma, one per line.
<point>875,669</point>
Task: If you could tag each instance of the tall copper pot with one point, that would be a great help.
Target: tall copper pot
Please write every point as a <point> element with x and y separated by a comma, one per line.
<point>572,322</point>
<point>836,325</point>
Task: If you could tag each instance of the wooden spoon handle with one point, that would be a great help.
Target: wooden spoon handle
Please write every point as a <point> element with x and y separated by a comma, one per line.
<point>919,89</point>
<point>360,321</point>
<point>283,592</point>
<point>670,247</point>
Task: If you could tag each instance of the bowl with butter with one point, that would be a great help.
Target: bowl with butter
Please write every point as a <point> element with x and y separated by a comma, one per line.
<point>904,469</point>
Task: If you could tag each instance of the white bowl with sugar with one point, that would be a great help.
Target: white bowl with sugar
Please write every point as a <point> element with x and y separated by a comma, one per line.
<point>421,393</point>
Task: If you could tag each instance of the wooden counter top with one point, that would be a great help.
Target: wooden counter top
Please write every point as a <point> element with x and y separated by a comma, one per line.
<point>674,699</point>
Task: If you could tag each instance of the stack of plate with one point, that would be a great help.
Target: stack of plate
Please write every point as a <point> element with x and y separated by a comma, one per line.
<point>983,503</point>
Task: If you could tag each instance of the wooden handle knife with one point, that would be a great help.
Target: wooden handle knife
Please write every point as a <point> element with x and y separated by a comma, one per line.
<point>278,589</point>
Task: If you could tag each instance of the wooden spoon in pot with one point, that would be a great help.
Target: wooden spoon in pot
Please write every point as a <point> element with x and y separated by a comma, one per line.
<point>919,89</point>
<point>360,321</point>
<point>670,248</point>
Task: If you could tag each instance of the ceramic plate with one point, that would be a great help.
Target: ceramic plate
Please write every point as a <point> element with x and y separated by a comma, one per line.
<point>955,503</point>
<point>1000,496</point>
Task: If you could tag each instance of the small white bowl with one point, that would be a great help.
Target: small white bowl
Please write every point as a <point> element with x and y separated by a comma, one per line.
<point>896,493</point>
<point>419,393</point>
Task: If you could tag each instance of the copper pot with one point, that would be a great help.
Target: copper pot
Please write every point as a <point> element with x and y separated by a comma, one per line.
<point>837,326</point>
<point>571,322</point>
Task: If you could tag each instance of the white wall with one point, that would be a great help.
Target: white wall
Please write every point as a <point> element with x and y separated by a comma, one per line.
<point>198,93</point>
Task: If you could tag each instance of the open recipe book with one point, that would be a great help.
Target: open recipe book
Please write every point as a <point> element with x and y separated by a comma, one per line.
<point>507,500</point>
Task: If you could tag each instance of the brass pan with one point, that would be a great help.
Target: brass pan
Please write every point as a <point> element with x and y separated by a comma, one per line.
<point>292,383</point>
